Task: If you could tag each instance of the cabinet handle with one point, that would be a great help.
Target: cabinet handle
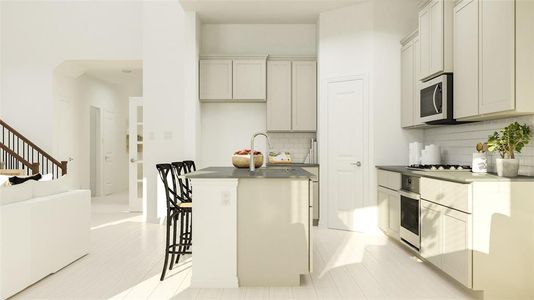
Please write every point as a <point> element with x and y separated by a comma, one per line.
<point>358,164</point>
<point>434,98</point>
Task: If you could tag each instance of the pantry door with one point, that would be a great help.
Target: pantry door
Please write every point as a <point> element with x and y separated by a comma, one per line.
<point>346,159</point>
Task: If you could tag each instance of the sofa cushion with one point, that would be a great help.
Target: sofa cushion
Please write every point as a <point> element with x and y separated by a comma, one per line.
<point>46,188</point>
<point>4,180</point>
<point>16,193</point>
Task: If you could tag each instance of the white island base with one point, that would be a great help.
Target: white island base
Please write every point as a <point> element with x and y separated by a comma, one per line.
<point>251,230</point>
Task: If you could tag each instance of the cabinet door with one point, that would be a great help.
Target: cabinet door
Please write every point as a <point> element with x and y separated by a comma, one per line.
<point>407,85</point>
<point>424,42</point>
<point>304,92</point>
<point>249,79</point>
<point>279,95</point>
<point>466,59</point>
<point>394,214</point>
<point>497,56</point>
<point>215,80</point>
<point>383,213</point>
<point>456,257</point>
<point>431,220</point>
<point>436,36</point>
<point>417,75</point>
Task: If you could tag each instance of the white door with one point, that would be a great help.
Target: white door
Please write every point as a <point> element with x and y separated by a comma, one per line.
<point>135,147</point>
<point>345,154</point>
<point>108,136</point>
<point>95,144</point>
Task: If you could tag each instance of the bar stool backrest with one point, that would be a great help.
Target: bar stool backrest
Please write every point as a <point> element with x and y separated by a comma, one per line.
<point>173,198</point>
<point>179,169</point>
<point>189,167</point>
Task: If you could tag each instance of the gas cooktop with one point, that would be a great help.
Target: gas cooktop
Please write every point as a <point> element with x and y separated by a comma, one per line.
<point>449,168</point>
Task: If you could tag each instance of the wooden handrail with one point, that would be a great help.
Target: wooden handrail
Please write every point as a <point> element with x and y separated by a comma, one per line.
<point>32,166</point>
<point>27,141</point>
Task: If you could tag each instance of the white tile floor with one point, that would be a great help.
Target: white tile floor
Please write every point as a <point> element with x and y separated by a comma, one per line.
<point>126,259</point>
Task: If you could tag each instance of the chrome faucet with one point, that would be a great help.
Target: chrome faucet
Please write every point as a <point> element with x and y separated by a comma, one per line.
<point>252,167</point>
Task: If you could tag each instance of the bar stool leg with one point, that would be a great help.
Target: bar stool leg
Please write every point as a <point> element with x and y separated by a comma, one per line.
<point>174,221</point>
<point>167,240</point>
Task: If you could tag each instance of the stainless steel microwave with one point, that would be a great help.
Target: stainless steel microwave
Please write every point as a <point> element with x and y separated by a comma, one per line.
<point>435,96</point>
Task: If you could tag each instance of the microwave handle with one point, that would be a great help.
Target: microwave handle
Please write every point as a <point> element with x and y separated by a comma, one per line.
<point>434,99</point>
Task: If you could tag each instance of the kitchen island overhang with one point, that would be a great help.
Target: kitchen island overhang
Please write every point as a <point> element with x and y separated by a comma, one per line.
<point>251,228</point>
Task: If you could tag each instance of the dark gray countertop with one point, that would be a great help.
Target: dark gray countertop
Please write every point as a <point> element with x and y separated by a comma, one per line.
<point>231,172</point>
<point>302,165</point>
<point>460,177</point>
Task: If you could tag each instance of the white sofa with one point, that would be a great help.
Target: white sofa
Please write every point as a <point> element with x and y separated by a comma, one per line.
<point>44,227</point>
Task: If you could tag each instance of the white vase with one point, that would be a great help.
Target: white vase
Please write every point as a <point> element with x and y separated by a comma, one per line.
<point>507,167</point>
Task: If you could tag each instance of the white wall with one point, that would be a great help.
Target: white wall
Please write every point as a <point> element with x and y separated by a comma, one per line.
<point>39,35</point>
<point>273,39</point>
<point>365,39</point>
<point>227,127</point>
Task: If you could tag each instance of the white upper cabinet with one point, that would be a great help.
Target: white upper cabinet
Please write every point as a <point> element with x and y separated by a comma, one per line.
<point>435,34</point>
<point>410,65</point>
<point>493,59</point>
<point>279,95</point>
<point>304,96</point>
<point>497,56</point>
<point>249,79</point>
<point>407,85</point>
<point>215,79</point>
<point>235,79</point>
<point>466,59</point>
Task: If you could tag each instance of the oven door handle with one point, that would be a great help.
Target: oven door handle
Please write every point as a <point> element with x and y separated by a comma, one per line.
<point>434,98</point>
<point>410,195</point>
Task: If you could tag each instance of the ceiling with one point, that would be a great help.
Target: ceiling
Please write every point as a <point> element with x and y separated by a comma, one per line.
<point>111,71</point>
<point>262,11</point>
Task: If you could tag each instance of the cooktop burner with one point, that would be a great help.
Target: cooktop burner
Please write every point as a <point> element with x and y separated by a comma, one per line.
<point>456,168</point>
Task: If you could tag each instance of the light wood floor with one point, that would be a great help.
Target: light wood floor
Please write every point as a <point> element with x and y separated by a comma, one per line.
<point>126,259</point>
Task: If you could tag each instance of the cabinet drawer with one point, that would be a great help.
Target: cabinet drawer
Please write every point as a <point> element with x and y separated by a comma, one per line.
<point>446,193</point>
<point>388,179</point>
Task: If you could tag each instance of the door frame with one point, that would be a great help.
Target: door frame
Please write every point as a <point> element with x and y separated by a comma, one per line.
<point>322,137</point>
<point>100,151</point>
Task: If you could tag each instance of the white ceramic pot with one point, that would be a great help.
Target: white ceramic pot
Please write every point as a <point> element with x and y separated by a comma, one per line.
<point>507,167</point>
<point>480,163</point>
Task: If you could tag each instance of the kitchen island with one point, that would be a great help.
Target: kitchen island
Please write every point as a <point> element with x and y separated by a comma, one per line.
<point>251,228</point>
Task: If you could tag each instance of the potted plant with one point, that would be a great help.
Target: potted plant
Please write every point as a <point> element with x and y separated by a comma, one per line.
<point>507,142</point>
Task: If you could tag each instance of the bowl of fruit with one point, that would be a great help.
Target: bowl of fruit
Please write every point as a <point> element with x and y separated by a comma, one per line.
<point>241,159</point>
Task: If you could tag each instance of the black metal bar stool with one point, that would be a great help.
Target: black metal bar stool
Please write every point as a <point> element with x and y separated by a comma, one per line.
<point>178,211</point>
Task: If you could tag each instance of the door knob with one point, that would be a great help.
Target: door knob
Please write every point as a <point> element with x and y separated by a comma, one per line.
<point>132,160</point>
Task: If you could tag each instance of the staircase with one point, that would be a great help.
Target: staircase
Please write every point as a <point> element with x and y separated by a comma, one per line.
<point>18,152</point>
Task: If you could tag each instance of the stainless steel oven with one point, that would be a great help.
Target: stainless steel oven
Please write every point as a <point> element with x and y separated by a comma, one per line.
<point>435,96</point>
<point>410,210</point>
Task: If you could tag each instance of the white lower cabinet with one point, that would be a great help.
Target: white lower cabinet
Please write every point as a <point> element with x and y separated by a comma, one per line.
<point>431,219</point>
<point>457,253</point>
<point>446,240</point>
<point>383,219</point>
<point>389,212</point>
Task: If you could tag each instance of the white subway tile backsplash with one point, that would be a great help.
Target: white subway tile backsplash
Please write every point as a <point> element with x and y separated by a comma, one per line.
<point>296,143</point>
<point>458,142</point>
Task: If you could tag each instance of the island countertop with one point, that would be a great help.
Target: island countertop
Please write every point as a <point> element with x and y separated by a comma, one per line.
<point>231,172</point>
